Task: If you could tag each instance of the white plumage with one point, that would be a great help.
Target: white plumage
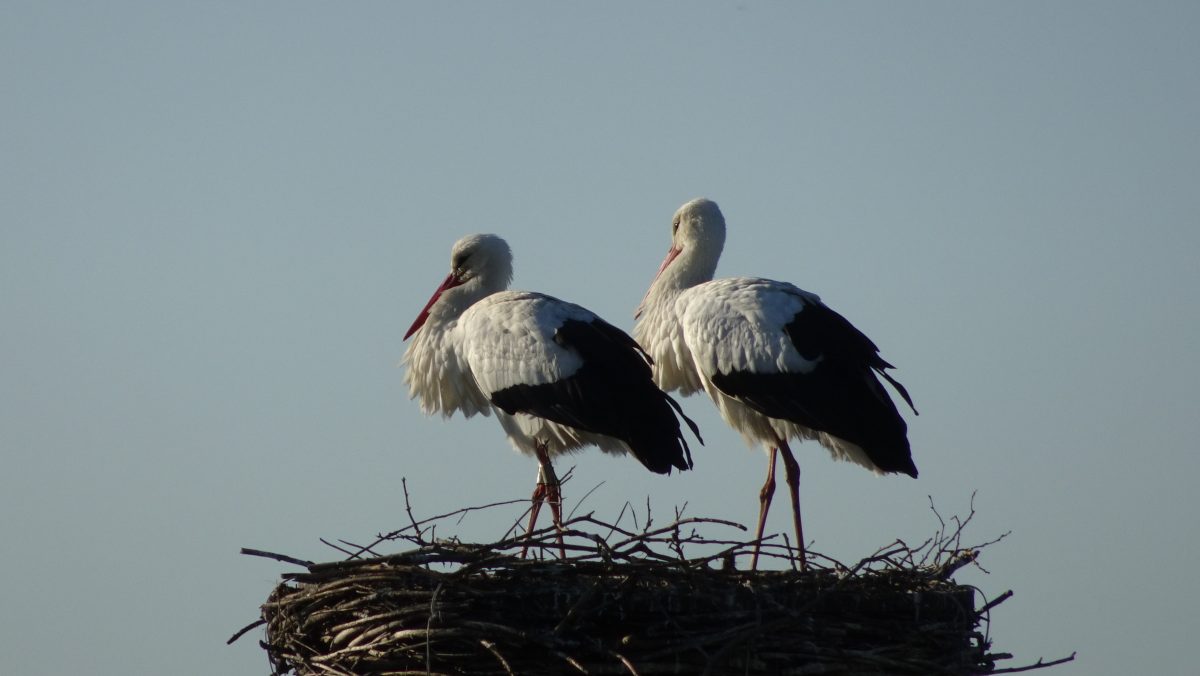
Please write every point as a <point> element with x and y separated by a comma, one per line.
<point>558,377</point>
<point>775,360</point>
<point>751,343</point>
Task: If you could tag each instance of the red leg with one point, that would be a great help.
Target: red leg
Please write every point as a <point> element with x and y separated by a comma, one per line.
<point>539,495</point>
<point>764,505</point>
<point>792,471</point>
<point>554,497</point>
<point>549,490</point>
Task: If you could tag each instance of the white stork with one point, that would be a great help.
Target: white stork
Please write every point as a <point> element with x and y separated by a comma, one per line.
<point>777,362</point>
<point>558,377</point>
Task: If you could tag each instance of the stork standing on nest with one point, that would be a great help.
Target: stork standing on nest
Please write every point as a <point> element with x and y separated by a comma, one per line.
<point>558,377</point>
<point>776,361</point>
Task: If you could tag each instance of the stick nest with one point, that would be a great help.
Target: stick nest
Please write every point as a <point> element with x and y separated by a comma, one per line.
<point>643,601</point>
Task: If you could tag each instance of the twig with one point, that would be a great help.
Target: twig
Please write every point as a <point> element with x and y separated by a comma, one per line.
<point>1040,664</point>
<point>278,557</point>
<point>408,508</point>
<point>349,554</point>
<point>995,602</point>
<point>433,612</point>
<point>490,646</point>
<point>583,499</point>
<point>241,632</point>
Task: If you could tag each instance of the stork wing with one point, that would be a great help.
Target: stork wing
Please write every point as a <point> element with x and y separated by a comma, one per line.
<point>540,356</point>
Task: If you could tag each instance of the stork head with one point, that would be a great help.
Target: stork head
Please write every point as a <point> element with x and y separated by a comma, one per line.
<point>484,260</point>
<point>697,239</point>
<point>480,265</point>
<point>698,228</point>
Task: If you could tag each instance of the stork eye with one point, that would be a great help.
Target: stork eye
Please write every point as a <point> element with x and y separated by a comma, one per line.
<point>674,226</point>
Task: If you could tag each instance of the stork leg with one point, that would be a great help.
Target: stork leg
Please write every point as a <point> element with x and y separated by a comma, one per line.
<point>548,489</point>
<point>792,473</point>
<point>764,505</point>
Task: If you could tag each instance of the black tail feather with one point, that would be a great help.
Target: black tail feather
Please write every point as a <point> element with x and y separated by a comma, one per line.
<point>899,388</point>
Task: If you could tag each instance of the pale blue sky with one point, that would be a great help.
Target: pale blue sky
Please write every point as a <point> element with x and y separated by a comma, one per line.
<point>217,219</point>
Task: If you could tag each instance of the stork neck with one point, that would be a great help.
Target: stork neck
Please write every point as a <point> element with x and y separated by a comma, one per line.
<point>688,269</point>
<point>453,302</point>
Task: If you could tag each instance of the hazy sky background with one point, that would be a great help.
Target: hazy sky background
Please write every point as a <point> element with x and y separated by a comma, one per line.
<point>217,220</point>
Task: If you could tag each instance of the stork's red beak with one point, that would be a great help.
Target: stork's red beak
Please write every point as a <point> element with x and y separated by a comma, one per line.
<point>450,282</point>
<point>671,254</point>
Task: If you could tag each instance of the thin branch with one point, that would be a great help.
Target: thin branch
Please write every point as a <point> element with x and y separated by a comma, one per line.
<point>408,507</point>
<point>583,499</point>
<point>1040,664</point>
<point>278,557</point>
<point>241,632</point>
<point>349,554</point>
<point>995,602</point>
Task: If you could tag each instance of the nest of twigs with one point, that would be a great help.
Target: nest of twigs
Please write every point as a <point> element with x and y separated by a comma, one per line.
<point>640,601</point>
